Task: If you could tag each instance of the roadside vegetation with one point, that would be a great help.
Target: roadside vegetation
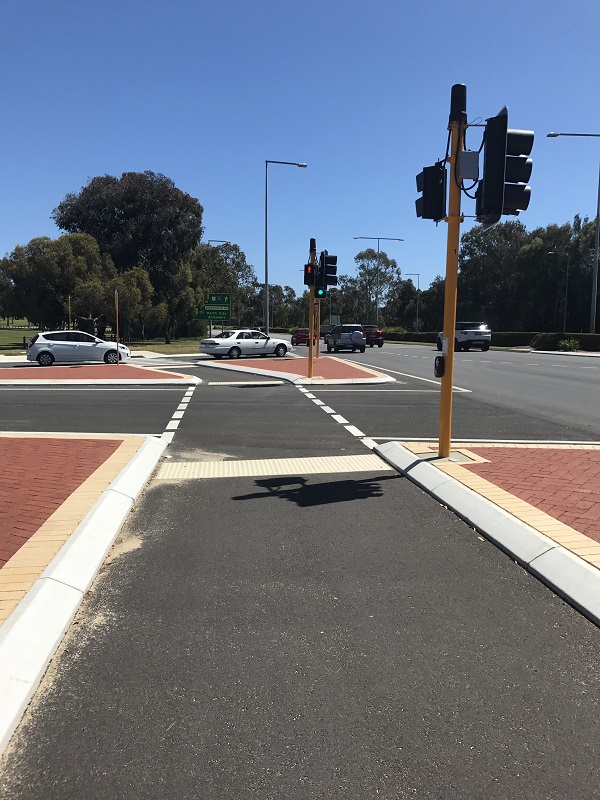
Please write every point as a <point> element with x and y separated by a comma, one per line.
<point>138,238</point>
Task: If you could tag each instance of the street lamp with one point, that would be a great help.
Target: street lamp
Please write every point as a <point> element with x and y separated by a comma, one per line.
<point>379,239</point>
<point>553,135</point>
<point>557,253</point>
<point>412,274</point>
<point>266,301</point>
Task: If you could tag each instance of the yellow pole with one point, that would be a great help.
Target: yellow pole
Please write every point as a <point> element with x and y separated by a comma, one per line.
<point>311,310</point>
<point>457,126</point>
<point>318,328</point>
<point>117,325</point>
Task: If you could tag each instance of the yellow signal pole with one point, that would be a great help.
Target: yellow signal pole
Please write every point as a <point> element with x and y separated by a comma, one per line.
<point>117,321</point>
<point>311,310</point>
<point>457,125</point>
<point>318,331</point>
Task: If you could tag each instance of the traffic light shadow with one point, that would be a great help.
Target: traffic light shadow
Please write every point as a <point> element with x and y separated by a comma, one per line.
<point>304,494</point>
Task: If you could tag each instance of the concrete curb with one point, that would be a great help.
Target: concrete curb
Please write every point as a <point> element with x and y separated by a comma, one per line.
<point>569,576</point>
<point>30,636</point>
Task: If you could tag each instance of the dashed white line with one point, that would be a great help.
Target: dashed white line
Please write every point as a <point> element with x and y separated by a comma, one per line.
<point>340,419</point>
<point>354,431</point>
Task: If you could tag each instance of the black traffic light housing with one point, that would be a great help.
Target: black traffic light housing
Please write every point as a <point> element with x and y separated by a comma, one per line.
<point>309,274</point>
<point>327,270</point>
<point>506,170</point>
<point>326,274</point>
<point>432,183</point>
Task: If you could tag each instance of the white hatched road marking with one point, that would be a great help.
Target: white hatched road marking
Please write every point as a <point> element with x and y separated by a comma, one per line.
<point>272,466</point>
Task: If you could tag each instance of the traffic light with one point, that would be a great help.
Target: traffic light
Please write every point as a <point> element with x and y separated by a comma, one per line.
<point>327,270</point>
<point>432,183</point>
<point>506,170</point>
<point>320,292</point>
<point>309,274</point>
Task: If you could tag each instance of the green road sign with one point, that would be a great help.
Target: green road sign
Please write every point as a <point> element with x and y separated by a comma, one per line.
<point>217,300</point>
<point>209,313</point>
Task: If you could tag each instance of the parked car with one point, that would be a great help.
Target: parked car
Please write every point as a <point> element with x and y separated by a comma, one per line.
<point>373,335</point>
<point>350,336</point>
<point>63,347</point>
<point>468,335</point>
<point>246,342</point>
<point>302,336</point>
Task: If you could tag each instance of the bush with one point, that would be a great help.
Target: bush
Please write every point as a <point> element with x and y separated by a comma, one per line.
<point>569,344</point>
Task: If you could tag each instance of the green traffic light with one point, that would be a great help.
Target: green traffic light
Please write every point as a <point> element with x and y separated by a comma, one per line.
<point>320,293</point>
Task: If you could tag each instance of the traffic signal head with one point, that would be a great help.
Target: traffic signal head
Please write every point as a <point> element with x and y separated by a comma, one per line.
<point>432,183</point>
<point>320,293</point>
<point>327,270</point>
<point>309,274</point>
<point>506,170</point>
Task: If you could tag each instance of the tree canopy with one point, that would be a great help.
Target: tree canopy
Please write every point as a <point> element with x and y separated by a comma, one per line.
<point>140,219</point>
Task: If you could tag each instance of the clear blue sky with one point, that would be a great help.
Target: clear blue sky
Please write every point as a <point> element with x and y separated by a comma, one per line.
<point>204,92</point>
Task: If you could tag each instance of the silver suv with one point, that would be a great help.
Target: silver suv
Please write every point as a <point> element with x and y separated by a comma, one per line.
<point>351,337</point>
<point>468,335</point>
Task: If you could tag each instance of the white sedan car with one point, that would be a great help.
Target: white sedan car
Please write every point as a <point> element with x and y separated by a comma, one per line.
<point>71,347</point>
<point>236,343</point>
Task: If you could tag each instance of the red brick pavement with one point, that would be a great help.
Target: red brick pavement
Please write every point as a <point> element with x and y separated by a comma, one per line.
<point>37,476</point>
<point>323,367</point>
<point>84,372</point>
<point>562,482</point>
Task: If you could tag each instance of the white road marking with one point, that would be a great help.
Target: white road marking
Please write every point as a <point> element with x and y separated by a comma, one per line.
<point>354,430</point>
<point>340,419</point>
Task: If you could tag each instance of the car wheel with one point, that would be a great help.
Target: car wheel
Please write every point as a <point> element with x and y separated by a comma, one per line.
<point>217,357</point>
<point>336,349</point>
<point>354,349</point>
<point>362,349</point>
<point>380,345</point>
<point>372,343</point>
<point>438,344</point>
<point>234,352</point>
<point>466,347</point>
<point>329,348</point>
<point>485,348</point>
<point>280,350</point>
<point>110,357</point>
<point>457,346</point>
<point>45,359</point>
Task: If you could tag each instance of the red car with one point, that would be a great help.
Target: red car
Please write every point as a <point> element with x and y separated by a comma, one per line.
<point>301,336</point>
<point>374,335</point>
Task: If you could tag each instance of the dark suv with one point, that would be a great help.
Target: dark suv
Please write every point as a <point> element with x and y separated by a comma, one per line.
<point>374,335</point>
<point>347,336</point>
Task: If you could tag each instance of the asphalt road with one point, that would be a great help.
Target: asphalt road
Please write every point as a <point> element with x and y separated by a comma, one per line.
<point>510,395</point>
<point>331,635</point>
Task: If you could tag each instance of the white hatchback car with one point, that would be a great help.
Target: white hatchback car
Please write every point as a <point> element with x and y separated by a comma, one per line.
<point>65,347</point>
<point>246,342</point>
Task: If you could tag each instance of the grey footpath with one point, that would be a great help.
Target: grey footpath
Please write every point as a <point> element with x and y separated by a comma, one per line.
<point>32,633</point>
<point>570,577</point>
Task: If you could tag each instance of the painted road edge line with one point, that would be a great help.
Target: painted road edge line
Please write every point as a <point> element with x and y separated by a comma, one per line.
<point>570,577</point>
<point>32,633</point>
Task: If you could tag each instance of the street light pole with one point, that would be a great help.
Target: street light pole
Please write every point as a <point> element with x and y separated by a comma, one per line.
<point>266,298</point>
<point>379,239</point>
<point>553,135</point>
<point>412,274</point>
